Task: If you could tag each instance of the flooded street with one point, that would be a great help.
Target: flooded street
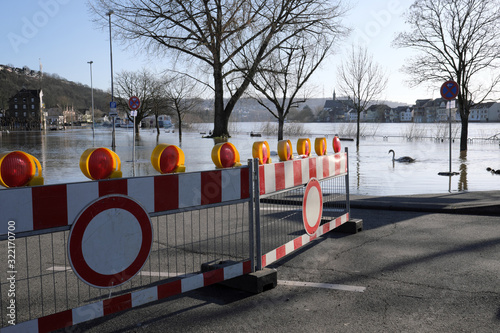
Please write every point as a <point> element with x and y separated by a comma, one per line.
<point>372,171</point>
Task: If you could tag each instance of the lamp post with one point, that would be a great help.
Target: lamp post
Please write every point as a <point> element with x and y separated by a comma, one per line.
<point>92,96</point>
<point>109,13</point>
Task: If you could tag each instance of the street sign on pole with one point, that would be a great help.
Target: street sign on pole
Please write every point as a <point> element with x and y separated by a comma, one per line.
<point>112,109</point>
<point>449,90</point>
<point>134,102</point>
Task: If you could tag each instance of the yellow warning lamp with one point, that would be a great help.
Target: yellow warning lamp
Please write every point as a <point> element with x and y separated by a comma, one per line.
<point>320,146</point>
<point>304,147</point>
<point>18,169</point>
<point>260,150</point>
<point>336,144</point>
<point>100,163</point>
<point>168,159</point>
<point>225,155</point>
<point>285,150</point>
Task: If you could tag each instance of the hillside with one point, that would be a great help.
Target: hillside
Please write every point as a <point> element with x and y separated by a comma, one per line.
<point>61,93</point>
<point>57,91</point>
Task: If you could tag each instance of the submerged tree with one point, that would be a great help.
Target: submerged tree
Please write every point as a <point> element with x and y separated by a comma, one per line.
<point>181,97</point>
<point>140,84</point>
<point>362,79</point>
<point>458,40</point>
<point>283,76</point>
<point>220,37</point>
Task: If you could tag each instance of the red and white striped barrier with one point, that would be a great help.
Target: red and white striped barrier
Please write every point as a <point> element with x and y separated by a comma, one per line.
<point>300,241</point>
<point>112,305</point>
<point>50,206</point>
<point>284,175</point>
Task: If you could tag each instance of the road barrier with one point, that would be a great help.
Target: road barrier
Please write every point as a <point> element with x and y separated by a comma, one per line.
<point>282,206</point>
<point>81,251</point>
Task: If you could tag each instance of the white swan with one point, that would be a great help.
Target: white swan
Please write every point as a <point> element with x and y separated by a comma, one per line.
<point>404,159</point>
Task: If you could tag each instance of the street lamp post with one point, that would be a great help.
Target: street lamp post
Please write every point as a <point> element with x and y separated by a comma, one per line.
<point>109,13</point>
<point>92,96</point>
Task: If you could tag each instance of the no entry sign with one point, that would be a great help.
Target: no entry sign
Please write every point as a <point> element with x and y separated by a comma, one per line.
<point>312,206</point>
<point>449,90</point>
<point>134,102</point>
<point>110,241</point>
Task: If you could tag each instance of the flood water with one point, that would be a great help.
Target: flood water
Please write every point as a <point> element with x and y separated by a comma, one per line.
<point>372,171</point>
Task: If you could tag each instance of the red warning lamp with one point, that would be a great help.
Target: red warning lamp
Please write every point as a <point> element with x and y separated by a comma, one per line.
<point>225,155</point>
<point>304,147</point>
<point>100,163</point>
<point>260,150</point>
<point>285,150</point>
<point>320,146</point>
<point>336,144</point>
<point>168,158</point>
<point>18,168</point>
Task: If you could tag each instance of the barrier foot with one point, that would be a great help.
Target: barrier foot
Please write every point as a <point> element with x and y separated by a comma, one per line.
<point>255,282</point>
<point>353,226</point>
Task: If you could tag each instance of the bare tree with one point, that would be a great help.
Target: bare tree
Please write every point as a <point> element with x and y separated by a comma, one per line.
<point>181,93</point>
<point>282,76</point>
<point>360,78</point>
<point>457,40</point>
<point>140,84</point>
<point>158,100</point>
<point>220,36</point>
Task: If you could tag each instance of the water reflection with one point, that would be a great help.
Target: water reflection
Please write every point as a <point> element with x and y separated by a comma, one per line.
<point>358,171</point>
<point>462,182</point>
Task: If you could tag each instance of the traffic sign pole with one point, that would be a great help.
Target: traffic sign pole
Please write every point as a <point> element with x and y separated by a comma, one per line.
<point>134,103</point>
<point>133,144</point>
<point>449,91</point>
<point>113,114</point>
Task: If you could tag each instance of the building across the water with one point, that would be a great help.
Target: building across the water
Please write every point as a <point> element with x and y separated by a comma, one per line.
<point>25,110</point>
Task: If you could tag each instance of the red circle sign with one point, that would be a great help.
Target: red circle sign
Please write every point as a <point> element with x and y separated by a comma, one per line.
<point>312,206</point>
<point>449,90</point>
<point>110,241</point>
<point>134,102</point>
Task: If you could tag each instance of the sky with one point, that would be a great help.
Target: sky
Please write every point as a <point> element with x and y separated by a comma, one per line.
<point>60,35</point>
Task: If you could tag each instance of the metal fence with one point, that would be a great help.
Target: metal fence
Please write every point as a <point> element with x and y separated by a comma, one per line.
<point>195,218</point>
<point>280,194</point>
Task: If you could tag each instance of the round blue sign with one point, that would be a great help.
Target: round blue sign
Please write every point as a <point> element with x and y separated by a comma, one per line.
<point>134,102</point>
<point>449,90</point>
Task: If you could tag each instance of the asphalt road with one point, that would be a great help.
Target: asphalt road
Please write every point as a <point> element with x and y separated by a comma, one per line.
<point>409,270</point>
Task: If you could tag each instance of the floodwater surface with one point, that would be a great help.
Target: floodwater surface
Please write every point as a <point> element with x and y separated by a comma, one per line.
<point>372,171</point>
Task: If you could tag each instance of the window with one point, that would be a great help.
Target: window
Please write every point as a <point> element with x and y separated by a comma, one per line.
<point>15,106</point>
<point>33,114</point>
<point>15,113</point>
<point>32,100</point>
<point>24,106</point>
<point>32,106</point>
<point>24,114</point>
<point>15,100</point>
<point>24,99</point>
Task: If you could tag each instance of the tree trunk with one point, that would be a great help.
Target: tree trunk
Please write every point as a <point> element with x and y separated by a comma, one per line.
<point>464,117</point>
<point>464,133</point>
<point>180,128</point>
<point>157,125</point>
<point>220,124</point>
<point>281,121</point>
<point>357,129</point>
<point>220,117</point>
<point>137,123</point>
